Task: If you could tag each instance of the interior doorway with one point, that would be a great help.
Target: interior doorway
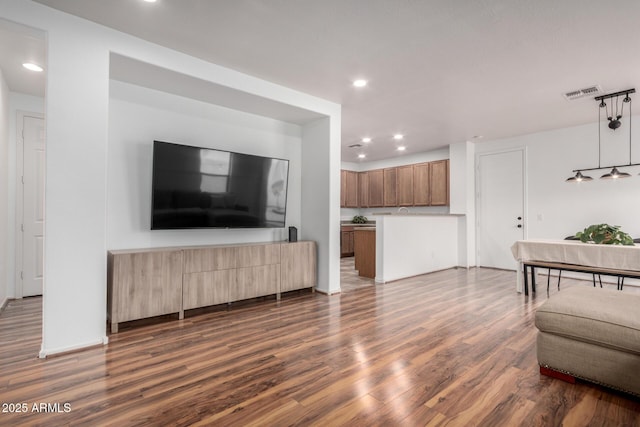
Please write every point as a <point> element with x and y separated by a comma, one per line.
<point>30,171</point>
<point>500,201</point>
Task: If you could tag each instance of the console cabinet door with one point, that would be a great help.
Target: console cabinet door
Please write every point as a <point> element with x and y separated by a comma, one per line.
<point>298,266</point>
<point>258,271</point>
<point>209,273</point>
<point>255,255</point>
<point>145,284</point>
<point>209,259</point>
<point>207,288</point>
<point>255,282</point>
<point>439,181</point>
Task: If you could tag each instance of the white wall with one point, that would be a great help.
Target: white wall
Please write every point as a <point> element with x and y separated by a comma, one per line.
<point>555,208</point>
<point>462,199</point>
<point>5,206</point>
<point>77,107</point>
<point>408,245</point>
<point>321,198</point>
<point>138,115</point>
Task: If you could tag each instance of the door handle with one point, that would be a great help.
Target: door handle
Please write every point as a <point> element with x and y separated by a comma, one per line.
<point>519,218</point>
<point>519,225</point>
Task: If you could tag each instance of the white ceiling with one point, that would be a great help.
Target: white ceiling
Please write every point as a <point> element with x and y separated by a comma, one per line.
<point>440,71</point>
<point>20,44</point>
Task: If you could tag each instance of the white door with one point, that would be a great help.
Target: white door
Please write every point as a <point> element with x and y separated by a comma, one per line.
<point>33,205</point>
<point>500,201</point>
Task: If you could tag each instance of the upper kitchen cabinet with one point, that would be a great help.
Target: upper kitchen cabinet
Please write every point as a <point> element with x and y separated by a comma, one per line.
<point>348,189</point>
<point>343,188</point>
<point>405,185</point>
<point>363,189</point>
<point>376,188</point>
<point>439,183</point>
<point>390,182</point>
<point>421,184</point>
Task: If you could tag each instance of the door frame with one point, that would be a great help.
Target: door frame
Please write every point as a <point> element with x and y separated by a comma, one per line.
<point>19,239</point>
<point>525,198</point>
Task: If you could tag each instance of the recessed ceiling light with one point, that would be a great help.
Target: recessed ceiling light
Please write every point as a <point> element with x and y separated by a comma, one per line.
<point>360,83</point>
<point>33,67</point>
<point>398,136</point>
<point>366,139</point>
<point>149,1</point>
<point>402,148</point>
<point>361,156</point>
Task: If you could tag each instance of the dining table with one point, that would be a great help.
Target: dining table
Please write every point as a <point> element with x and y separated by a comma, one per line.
<point>623,260</point>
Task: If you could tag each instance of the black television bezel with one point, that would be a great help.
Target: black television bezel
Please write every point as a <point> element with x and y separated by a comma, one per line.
<point>153,174</point>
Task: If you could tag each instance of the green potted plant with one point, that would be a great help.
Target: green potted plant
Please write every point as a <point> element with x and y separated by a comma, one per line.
<point>359,219</point>
<point>604,234</point>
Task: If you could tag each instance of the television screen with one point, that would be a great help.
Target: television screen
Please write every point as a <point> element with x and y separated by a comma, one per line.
<point>195,187</point>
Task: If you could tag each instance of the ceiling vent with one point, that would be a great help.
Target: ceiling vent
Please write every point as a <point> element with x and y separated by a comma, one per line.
<point>582,93</point>
<point>355,146</point>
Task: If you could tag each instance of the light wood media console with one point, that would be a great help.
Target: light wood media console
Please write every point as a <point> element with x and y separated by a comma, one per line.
<point>144,283</point>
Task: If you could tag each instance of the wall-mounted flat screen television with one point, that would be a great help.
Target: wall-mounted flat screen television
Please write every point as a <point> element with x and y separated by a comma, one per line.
<point>195,187</point>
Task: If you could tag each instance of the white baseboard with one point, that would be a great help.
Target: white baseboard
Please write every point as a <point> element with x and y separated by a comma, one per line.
<point>50,352</point>
<point>3,304</point>
<point>334,292</point>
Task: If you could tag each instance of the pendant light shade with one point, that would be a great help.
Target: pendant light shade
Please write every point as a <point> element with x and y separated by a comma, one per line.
<point>579,178</point>
<point>615,174</point>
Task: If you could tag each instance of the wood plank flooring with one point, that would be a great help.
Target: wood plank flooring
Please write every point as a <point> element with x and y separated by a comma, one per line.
<point>451,348</point>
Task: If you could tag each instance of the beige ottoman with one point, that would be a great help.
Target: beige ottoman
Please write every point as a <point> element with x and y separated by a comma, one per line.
<point>592,334</point>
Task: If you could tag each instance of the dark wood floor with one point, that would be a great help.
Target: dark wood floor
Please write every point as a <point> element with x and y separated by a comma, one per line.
<point>453,348</point>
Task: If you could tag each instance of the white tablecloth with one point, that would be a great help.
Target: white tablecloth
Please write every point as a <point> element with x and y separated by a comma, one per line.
<point>575,252</point>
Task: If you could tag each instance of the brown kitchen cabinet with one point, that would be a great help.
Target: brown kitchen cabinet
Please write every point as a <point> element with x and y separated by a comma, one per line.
<point>365,252</point>
<point>343,188</point>
<point>421,184</point>
<point>376,188</point>
<point>405,185</point>
<point>346,242</point>
<point>363,189</point>
<point>390,183</point>
<point>348,189</point>
<point>439,183</point>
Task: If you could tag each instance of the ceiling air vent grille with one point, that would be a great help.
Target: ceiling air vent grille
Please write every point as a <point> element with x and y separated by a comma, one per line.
<point>355,146</point>
<point>582,93</point>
